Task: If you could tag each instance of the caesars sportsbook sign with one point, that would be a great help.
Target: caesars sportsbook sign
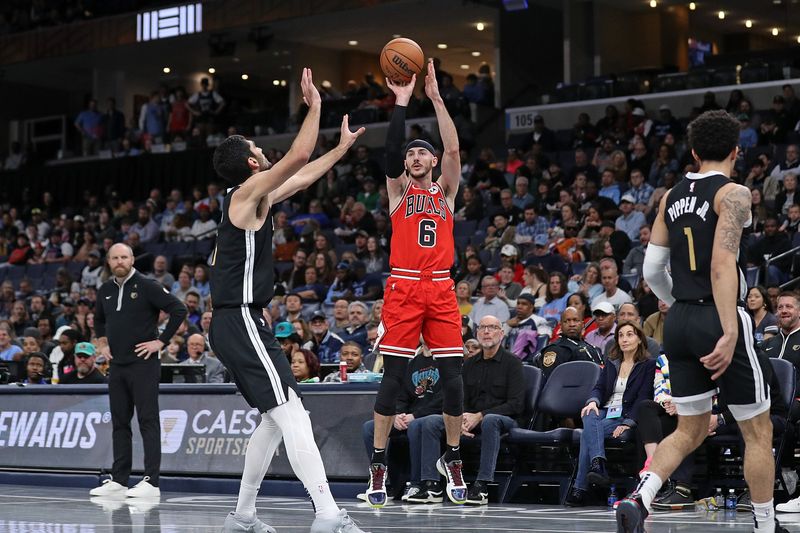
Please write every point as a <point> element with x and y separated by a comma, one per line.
<point>199,433</point>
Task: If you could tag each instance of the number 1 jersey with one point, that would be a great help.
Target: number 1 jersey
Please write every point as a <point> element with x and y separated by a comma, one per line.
<point>691,223</point>
<point>422,231</point>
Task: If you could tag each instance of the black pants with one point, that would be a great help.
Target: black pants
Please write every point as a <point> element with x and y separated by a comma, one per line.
<point>653,424</point>
<point>129,386</point>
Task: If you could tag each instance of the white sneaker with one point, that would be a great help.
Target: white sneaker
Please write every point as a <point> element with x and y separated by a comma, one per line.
<point>108,488</point>
<point>144,489</point>
<point>790,478</point>
<point>341,524</point>
<point>142,505</point>
<point>109,503</point>
<point>792,506</point>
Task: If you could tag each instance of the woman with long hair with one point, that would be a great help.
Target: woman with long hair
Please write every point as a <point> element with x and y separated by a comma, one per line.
<point>376,259</point>
<point>472,206</point>
<point>556,299</point>
<point>760,308</point>
<point>591,223</point>
<point>305,366</point>
<point>587,283</point>
<point>322,244</point>
<point>325,272</point>
<point>625,381</point>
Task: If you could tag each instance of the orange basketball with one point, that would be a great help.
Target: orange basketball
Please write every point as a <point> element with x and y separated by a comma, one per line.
<point>400,59</point>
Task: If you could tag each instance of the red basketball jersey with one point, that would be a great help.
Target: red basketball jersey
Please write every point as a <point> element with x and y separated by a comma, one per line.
<point>422,231</point>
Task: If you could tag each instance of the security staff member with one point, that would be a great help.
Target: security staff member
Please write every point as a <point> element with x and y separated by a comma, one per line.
<point>569,347</point>
<point>126,322</point>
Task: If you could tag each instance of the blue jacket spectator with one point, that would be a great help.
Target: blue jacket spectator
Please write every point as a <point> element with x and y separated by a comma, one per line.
<point>324,343</point>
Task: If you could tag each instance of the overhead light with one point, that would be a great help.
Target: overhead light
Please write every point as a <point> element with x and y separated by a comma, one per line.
<point>721,15</point>
<point>653,3</point>
<point>245,76</point>
<point>276,82</point>
<point>480,26</point>
<point>212,70</point>
<point>476,54</point>
<point>166,70</point>
<point>396,36</point>
<point>464,67</point>
<point>748,23</point>
<point>283,83</point>
<point>775,32</point>
<point>692,6</point>
<point>441,46</point>
<point>352,43</point>
<point>798,39</point>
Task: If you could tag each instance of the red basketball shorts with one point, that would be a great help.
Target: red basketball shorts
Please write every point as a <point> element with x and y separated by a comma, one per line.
<point>417,305</point>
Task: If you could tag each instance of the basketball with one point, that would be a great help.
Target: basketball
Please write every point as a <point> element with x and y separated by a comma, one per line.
<point>400,59</point>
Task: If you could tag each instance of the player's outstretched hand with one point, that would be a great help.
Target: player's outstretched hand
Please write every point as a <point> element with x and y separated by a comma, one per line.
<point>718,360</point>
<point>310,93</point>
<point>402,91</point>
<point>431,86</point>
<point>349,137</point>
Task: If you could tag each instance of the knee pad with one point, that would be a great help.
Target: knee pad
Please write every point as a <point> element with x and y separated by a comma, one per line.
<point>394,369</point>
<point>452,386</point>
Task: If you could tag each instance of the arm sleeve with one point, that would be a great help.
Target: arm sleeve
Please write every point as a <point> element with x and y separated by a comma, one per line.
<point>162,299</point>
<point>655,272</point>
<point>394,142</point>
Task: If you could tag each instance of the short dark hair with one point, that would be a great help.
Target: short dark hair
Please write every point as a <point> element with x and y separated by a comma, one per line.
<point>713,135</point>
<point>230,159</point>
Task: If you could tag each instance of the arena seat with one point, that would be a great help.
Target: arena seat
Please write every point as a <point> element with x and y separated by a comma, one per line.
<point>724,471</point>
<point>546,456</point>
<point>579,268</point>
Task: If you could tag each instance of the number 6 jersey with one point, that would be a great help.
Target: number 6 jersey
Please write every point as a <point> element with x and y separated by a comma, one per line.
<point>422,231</point>
<point>692,222</point>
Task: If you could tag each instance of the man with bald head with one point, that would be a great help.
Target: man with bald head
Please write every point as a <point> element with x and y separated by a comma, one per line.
<point>126,322</point>
<point>494,397</point>
<point>570,346</point>
<point>196,348</point>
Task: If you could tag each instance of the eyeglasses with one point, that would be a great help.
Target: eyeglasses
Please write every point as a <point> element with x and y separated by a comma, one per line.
<point>489,328</point>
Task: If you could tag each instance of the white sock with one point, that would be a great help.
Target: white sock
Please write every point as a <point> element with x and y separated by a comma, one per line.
<point>303,454</point>
<point>764,517</point>
<point>648,488</point>
<point>260,451</point>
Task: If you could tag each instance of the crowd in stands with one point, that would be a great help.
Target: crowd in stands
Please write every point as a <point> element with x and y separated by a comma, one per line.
<point>174,119</point>
<point>550,246</point>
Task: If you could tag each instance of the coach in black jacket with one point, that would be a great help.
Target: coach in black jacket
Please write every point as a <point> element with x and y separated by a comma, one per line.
<point>126,319</point>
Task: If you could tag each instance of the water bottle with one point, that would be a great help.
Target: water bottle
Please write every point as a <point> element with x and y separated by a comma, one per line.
<point>719,499</point>
<point>730,501</point>
<point>343,371</point>
<point>612,496</point>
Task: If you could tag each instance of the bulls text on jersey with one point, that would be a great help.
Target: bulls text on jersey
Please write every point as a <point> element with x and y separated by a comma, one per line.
<point>422,203</point>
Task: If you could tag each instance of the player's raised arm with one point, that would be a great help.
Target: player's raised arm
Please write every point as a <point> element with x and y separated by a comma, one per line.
<point>262,183</point>
<point>395,158</point>
<point>734,214</point>
<point>311,172</point>
<point>451,157</point>
<point>656,258</point>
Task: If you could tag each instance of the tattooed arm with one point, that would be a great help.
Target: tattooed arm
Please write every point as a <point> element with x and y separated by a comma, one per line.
<point>733,205</point>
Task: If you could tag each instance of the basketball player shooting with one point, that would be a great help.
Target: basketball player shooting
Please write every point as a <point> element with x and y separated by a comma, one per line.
<point>708,334</point>
<point>420,296</point>
<point>241,287</point>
